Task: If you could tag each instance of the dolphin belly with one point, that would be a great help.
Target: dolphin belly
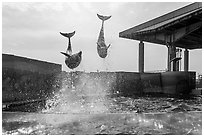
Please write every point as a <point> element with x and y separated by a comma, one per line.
<point>74,60</point>
<point>72,64</point>
<point>102,51</point>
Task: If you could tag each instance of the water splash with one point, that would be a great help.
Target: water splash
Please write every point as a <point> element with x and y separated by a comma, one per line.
<point>82,93</point>
<point>107,63</point>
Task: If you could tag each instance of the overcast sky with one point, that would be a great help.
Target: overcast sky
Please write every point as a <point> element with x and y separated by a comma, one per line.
<point>32,30</point>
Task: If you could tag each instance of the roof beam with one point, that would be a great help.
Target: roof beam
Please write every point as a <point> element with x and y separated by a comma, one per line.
<point>180,33</point>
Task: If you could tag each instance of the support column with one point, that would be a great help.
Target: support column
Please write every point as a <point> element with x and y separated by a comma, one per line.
<point>177,65</point>
<point>168,58</point>
<point>172,57</point>
<point>186,59</point>
<point>141,57</point>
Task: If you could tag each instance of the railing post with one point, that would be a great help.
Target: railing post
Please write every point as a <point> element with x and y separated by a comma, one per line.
<point>186,58</point>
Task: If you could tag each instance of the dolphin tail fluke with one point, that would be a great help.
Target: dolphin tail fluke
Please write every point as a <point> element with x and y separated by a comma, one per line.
<point>103,18</point>
<point>68,35</point>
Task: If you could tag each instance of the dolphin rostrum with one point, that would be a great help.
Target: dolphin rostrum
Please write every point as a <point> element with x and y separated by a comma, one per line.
<point>101,46</point>
<point>72,61</point>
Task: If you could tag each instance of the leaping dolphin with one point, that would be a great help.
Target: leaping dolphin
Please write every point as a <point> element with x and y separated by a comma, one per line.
<point>101,46</point>
<point>72,61</point>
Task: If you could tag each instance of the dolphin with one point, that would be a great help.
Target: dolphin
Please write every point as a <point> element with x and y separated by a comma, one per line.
<point>101,46</point>
<point>71,60</point>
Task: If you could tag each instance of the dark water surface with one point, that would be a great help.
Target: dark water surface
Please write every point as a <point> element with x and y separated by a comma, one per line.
<point>92,115</point>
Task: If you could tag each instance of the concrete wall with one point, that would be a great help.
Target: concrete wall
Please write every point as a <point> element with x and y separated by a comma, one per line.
<point>27,64</point>
<point>152,82</point>
<point>129,83</point>
<point>133,83</point>
<point>122,83</point>
<point>178,82</point>
<point>25,79</point>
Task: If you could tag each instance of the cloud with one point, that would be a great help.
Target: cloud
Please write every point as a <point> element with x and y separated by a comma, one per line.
<point>17,6</point>
<point>39,6</point>
<point>30,26</point>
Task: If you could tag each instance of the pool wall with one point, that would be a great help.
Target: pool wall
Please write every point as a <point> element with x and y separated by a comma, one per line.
<point>27,79</point>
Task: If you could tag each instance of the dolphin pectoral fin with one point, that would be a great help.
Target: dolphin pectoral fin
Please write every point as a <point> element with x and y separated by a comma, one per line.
<point>65,54</point>
<point>109,46</point>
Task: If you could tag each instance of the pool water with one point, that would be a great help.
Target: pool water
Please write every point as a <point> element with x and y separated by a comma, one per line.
<point>89,109</point>
<point>119,115</point>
